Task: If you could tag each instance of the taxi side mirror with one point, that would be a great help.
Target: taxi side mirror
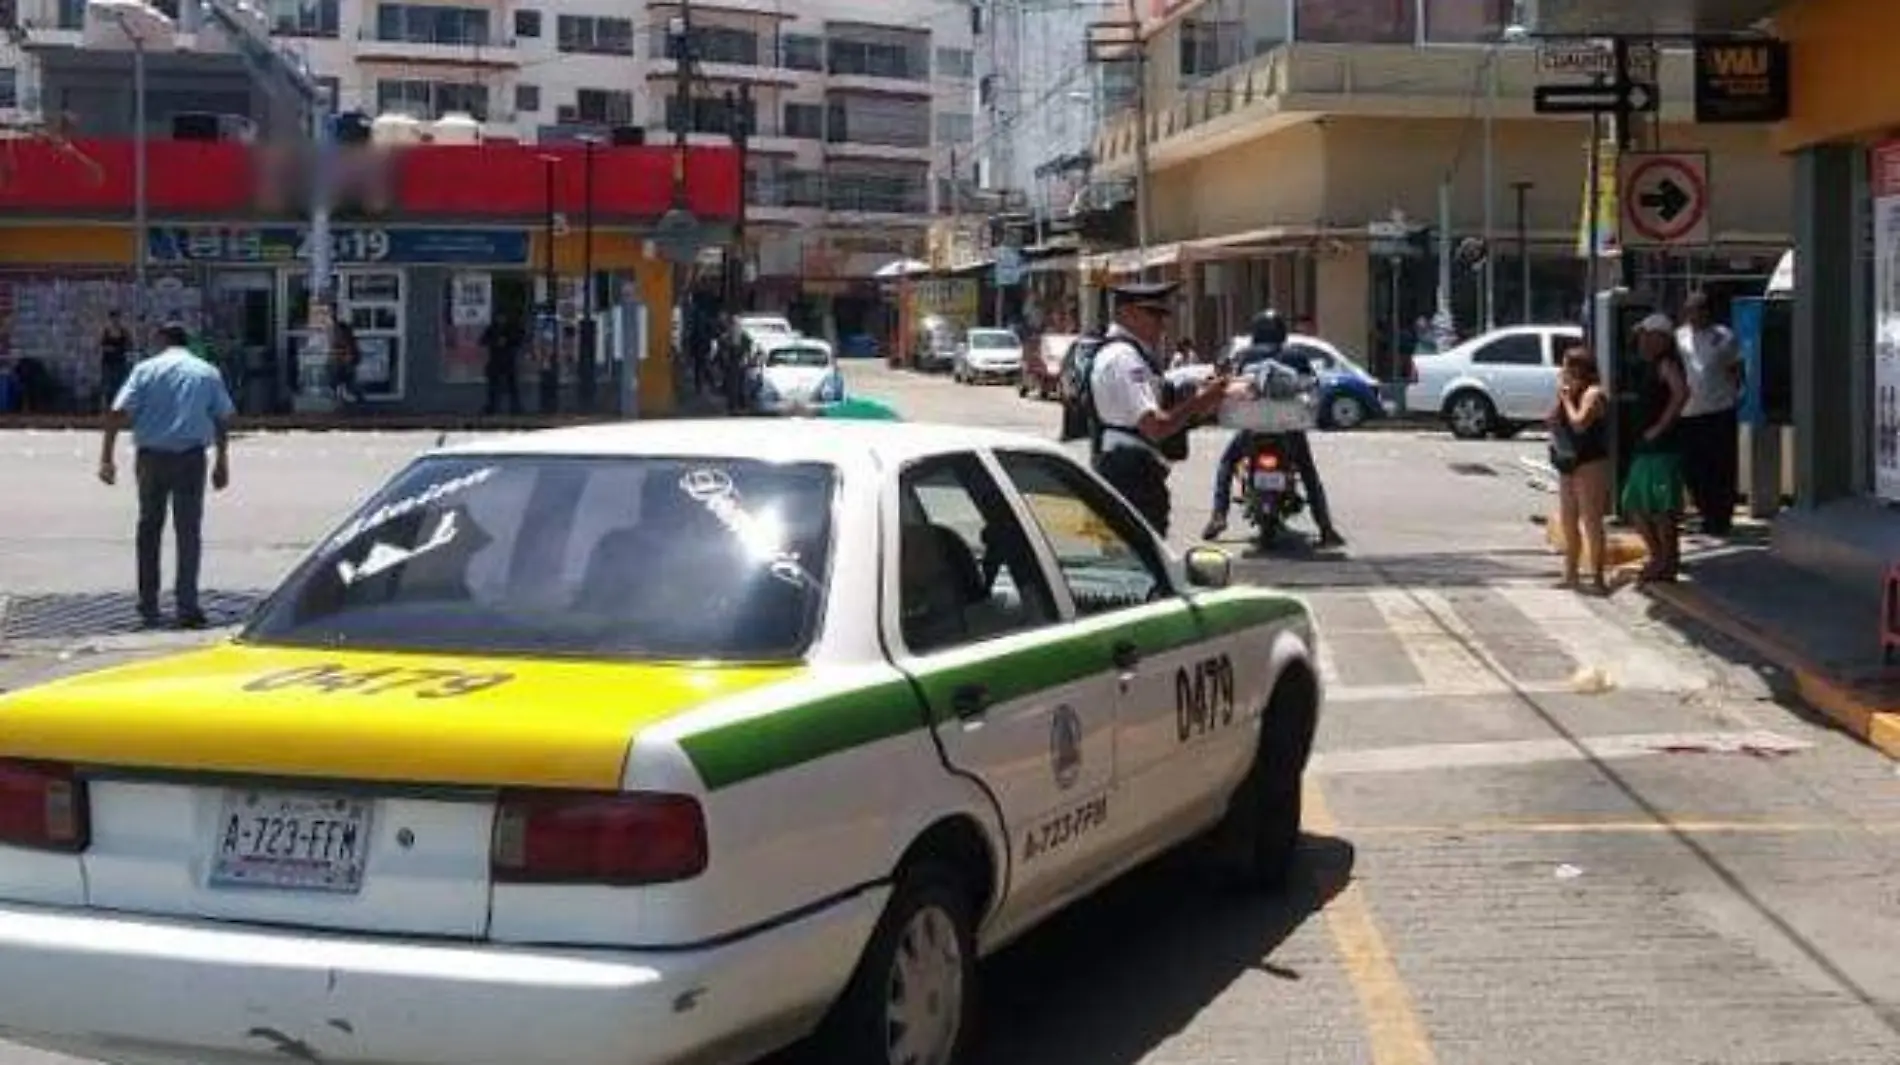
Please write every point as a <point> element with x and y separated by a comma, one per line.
<point>1209,567</point>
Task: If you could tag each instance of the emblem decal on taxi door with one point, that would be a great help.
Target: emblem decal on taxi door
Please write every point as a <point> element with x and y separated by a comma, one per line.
<point>1065,746</point>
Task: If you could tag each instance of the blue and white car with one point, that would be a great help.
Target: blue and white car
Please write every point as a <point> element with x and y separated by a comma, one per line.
<point>1348,395</point>
<point>796,374</point>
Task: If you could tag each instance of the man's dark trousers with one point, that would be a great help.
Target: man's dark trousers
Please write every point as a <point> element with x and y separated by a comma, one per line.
<point>504,385</point>
<point>1300,453</point>
<point>174,479</point>
<point>1142,478</point>
<point>1711,445</point>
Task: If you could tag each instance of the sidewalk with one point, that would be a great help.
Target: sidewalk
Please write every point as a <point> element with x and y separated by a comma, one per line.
<point>692,405</point>
<point>1823,635</point>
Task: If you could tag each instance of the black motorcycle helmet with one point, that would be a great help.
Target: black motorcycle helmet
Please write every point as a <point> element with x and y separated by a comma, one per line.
<point>1268,328</point>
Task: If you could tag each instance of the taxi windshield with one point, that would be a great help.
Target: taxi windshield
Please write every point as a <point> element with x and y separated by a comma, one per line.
<point>798,355</point>
<point>636,557</point>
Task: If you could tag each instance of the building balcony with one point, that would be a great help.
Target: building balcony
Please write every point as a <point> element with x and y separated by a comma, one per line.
<point>499,52</point>
<point>662,68</point>
<point>1295,83</point>
<point>878,85</point>
<point>903,153</point>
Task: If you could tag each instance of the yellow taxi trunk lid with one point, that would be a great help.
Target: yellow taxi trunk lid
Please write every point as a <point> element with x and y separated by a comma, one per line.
<point>421,719</point>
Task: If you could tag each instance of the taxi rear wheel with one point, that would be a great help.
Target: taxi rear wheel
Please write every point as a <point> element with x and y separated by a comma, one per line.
<point>912,999</point>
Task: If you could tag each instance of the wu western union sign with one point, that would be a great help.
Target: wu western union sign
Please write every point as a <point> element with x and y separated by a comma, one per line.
<point>1741,81</point>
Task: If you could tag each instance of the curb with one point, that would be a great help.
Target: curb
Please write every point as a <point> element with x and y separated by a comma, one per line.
<point>1860,713</point>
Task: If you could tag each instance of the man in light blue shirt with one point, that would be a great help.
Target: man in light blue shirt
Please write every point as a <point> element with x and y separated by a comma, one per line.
<point>177,406</point>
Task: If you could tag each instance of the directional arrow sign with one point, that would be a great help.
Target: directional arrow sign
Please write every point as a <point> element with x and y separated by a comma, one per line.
<point>1631,98</point>
<point>1665,198</point>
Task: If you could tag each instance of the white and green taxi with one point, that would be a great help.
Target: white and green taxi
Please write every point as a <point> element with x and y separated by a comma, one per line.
<point>643,744</point>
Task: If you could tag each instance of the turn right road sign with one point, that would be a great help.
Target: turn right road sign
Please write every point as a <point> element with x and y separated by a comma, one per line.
<point>1665,199</point>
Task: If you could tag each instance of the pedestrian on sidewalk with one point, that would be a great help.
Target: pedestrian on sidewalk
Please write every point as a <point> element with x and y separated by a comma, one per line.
<point>346,360</point>
<point>1652,490</point>
<point>115,358</point>
<point>502,340</point>
<point>177,406</point>
<point>1580,451</point>
<point>1711,437</point>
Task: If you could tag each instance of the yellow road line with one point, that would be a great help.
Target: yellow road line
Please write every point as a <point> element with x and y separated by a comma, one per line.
<point>1691,827</point>
<point>1393,1028</point>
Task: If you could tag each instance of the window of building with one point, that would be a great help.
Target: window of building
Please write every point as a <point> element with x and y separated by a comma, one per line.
<point>802,51</point>
<point>425,99</point>
<point>956,63</point>
<point>431,25</point>
<point>1356,21</point>
<point>332,90</point>
<point>955,128</point>
<point>878,58</point>
<point>710,114</point>
<point>9,88</point>
<point>9,13</point>
<point>713,44</point>
<point>895,121</point>
<point>805,121</point>
<point>527,99</point>
<point>804,188</point>
<point>72,14</point>
<point>527,23</point>
<point>594,35</point>
<point>609,107</point>
<point>1466,21</point>
<point>303,18</point>
<point>1209,46</point>
<point>887,188</point>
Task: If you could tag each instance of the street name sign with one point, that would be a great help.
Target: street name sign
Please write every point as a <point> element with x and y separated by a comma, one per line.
<point>1633,97</point>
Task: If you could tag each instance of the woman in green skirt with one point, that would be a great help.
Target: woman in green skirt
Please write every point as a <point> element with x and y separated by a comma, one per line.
<point>1652,489</point>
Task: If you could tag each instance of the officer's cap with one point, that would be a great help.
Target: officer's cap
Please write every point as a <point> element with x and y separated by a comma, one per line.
<point>1154,296</point>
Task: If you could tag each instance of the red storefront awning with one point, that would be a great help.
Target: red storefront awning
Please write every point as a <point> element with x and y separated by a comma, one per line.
<point>94,179</point>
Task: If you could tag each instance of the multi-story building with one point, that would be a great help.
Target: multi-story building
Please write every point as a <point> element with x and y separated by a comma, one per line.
<point>1279,131</point>
<point>856,104</point>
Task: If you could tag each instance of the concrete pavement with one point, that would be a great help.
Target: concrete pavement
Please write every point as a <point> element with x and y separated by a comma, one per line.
<point>1541,828</point>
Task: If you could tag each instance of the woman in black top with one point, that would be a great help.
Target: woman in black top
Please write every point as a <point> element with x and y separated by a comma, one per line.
<point>1580,450</point>
<point>115,359</point>
<point>1653,487</point>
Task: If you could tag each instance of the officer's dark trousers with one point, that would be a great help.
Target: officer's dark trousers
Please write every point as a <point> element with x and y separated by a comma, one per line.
<point>1142,479</point>
<point>175,480</point>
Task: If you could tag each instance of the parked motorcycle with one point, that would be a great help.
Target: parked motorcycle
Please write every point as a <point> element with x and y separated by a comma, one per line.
<point>1269,491</point>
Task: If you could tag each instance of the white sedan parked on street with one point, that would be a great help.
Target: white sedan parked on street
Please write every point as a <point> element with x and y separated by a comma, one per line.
<point>1497,383</point>
<point>644,745</point>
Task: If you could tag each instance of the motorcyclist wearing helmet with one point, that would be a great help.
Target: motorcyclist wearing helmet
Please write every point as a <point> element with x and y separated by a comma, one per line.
<point>1268,342</point>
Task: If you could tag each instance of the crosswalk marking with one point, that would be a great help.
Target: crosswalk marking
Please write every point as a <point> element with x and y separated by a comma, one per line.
<point>1396,643</point>
<point>1437,654</point>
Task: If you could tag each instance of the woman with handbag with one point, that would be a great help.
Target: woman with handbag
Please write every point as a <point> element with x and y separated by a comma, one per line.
<point>1580,451</point>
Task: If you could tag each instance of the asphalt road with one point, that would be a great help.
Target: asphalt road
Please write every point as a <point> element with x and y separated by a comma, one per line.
<point>1542,829</point>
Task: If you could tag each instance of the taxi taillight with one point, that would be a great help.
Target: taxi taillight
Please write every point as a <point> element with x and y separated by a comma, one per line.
<point>619,839</point>
<point>43,806</point>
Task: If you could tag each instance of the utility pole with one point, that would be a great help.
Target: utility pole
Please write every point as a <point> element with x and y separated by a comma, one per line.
<point>739,115</point>
<point>589,369</point>
<point>683,98</point>
<point>1522,189</point>
<point>1490,317</point>
<point>1142,219</point>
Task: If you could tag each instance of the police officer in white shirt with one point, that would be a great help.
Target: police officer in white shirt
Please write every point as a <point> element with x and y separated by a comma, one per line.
<point>1136,429</point>
<point>1709,430</point>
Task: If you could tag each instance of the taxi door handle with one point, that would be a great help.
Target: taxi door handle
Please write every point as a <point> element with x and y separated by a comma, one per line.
<point>1126,655</point>
<point>970,700</point>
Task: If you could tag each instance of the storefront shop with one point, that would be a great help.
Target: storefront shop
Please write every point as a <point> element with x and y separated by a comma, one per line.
<point>1841,135</point>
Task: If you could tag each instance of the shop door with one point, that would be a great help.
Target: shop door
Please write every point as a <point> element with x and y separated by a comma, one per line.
<point>243,332</point>
<point>372,302</point>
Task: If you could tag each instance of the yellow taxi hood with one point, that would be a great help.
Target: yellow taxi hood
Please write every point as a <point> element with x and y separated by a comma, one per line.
<point>409,718</point>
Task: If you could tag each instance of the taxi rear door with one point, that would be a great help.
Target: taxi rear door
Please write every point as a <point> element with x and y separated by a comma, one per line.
<point>1017,702</point>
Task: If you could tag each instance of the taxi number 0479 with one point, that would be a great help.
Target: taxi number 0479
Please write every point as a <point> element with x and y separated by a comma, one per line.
<point>1203,697</point>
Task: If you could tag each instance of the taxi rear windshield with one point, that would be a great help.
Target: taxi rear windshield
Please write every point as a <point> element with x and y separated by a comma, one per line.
<point>647,558</point>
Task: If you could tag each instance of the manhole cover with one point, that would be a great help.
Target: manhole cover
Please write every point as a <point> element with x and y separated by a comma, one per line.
<point>77,616</point>
<point>1473,469</point>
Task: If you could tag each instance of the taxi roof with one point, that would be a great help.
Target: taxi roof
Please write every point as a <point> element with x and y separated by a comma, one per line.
<point>837,442</point>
